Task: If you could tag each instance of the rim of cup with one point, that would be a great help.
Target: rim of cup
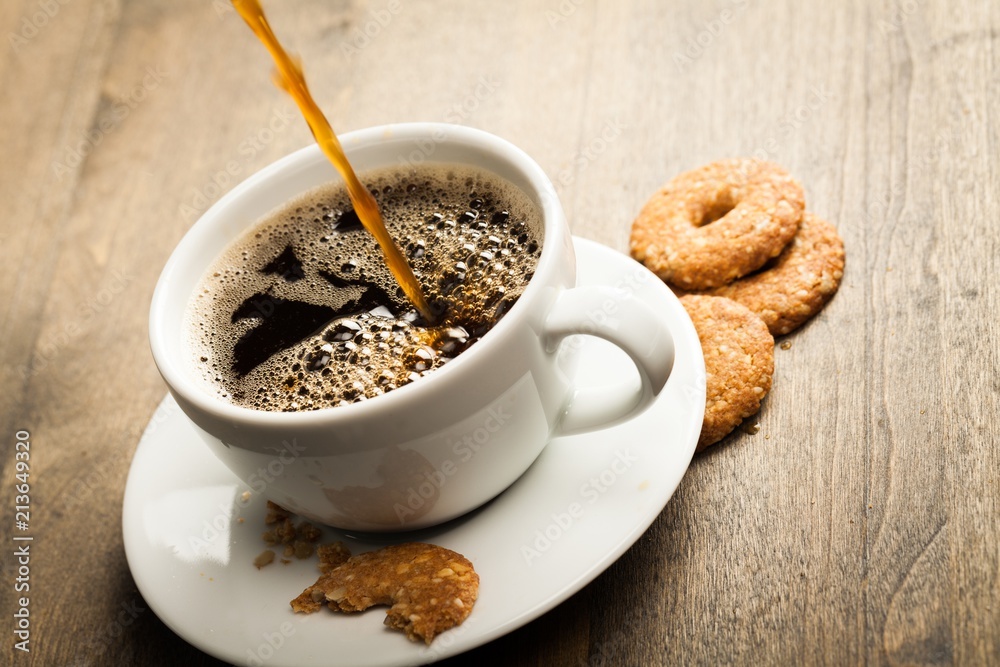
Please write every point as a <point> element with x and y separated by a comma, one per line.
<point>505,160</point>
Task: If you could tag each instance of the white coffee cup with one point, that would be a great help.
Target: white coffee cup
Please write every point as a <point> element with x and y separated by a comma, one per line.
<point>439,447</point>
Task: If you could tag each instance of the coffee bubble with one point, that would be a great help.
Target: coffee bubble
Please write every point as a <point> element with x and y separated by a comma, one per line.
<point>301,313</point>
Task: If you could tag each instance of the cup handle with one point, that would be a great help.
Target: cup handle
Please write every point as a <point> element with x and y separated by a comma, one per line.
<point>615,315</point>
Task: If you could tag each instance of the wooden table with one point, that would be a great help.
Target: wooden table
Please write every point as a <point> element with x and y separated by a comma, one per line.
<point>861,524</point>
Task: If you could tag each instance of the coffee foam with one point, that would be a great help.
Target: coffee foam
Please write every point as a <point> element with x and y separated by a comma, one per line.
<point>472,239</point>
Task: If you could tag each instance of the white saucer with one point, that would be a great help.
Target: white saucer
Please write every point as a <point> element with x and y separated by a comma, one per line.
<point>191,539</point>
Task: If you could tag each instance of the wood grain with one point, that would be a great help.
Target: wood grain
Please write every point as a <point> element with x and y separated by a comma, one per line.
<point>861,524</point>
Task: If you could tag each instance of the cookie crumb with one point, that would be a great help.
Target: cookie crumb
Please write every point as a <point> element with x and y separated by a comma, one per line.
<point>308,532</point>
<point>298,539</point>
<point>265,557</point>
<point>303,549</point>
<point>276,513</point>
<point>332,555</point>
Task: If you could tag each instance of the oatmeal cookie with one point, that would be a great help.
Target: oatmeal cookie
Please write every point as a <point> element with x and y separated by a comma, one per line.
<point>798,282</point>
<point>739,362</point>
<point>719,222</point>
<point>429,588</point>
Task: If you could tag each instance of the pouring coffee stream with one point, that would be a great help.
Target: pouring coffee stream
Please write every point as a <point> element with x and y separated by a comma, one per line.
<point>289,77</point>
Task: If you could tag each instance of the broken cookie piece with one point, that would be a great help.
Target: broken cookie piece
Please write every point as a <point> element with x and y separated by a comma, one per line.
<point>430,589</point>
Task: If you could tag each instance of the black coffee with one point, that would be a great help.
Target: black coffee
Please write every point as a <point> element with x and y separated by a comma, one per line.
<point>301,312</point>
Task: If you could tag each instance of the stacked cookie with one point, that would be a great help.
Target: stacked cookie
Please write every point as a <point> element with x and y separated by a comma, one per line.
<point>732,238</point>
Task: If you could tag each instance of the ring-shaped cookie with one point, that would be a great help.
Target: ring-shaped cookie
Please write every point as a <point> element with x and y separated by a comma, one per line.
<point>739,362</point>
<point>712,225</point>
<point>798,283</point>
